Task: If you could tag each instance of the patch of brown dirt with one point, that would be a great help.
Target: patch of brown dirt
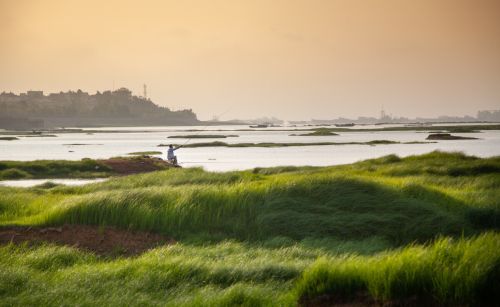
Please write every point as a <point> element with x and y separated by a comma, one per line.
<point>107,241</point>
<point>143,164</point>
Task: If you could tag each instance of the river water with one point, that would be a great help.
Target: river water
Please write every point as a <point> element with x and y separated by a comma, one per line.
<point>24,183</point>
<point>119,141</point>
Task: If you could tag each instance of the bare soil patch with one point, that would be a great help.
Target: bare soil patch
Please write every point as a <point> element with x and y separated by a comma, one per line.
<point>106,241</point>
<point>144,164</point>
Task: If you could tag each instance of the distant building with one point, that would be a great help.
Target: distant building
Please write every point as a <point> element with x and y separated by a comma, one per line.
<point>35,94</point>
<point>384,117</point>
<point>492,115</point>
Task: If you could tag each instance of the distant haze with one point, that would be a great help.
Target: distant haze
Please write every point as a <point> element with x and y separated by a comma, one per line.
<point>290,59</point>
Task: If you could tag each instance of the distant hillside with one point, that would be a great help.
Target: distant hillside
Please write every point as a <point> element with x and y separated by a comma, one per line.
<point>65,109</point>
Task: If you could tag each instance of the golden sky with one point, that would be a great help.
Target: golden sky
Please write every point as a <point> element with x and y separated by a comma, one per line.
<point>294,59</point>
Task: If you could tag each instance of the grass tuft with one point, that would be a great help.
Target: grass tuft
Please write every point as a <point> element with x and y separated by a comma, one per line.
<point>446,272</point>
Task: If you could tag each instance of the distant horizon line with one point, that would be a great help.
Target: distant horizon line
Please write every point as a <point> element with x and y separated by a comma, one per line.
<point>355,118</point>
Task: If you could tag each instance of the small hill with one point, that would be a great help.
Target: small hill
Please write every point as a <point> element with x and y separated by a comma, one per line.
<point>69,109</point>
<point>447,136</point>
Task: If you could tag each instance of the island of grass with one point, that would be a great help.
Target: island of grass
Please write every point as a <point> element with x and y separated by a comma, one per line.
<point>447,136</point>
<point>415,231</point>
<point>473,128</point>
<point>145,153</point>
<point>40,136</point>
<point>81,144</point>
<point>202,136</point>
<point>85,168</point>
<point>448,128</point>
<point>8,138</point>
<point>317,132</point>
<point>224,144</point>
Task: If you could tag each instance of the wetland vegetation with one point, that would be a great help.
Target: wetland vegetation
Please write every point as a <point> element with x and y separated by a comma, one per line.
<point>415,230</point>
<point>145,153</point>
<point>317,132</point>
<point>202,136</point>
<point>224,144</point>
<point>85,168</point>
<point>447,136</point>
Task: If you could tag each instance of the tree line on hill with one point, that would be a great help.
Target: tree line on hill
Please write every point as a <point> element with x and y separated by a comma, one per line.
<point>110,108</point>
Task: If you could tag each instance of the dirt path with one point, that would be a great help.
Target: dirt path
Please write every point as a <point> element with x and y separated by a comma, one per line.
<point>106,241</point>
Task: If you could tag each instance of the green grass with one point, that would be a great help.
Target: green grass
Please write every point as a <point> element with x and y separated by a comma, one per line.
<point>447,136</point>
<point>468,129</point>
<point>450,128</point>
<point>85,168</point>
<point>223,274</point>
<point>446,272</point>
<point>41,136</point>
<point>393,228</point>
<point>202,136</point>
<point>224,144</point>
<point>317,132</point>
<point>148,153</point>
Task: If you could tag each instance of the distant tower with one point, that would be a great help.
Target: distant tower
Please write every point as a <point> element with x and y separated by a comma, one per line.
<point>382,113</point>
<point>384,116</point>
<point>145,94</point>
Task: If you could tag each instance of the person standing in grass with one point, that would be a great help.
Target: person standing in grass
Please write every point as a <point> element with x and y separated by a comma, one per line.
<point>172,158</point>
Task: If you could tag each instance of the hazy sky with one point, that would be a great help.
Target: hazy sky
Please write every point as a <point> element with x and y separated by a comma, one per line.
<point>294,59</point>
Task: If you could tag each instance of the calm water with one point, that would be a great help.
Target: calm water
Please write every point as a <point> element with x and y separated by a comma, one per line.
<point>110,144</point>
<point>24,183</point>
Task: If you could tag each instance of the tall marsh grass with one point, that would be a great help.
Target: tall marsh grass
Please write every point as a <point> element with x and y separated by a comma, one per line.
<point>370,198</point>
<point>446,272</point>
<point>392,229</point>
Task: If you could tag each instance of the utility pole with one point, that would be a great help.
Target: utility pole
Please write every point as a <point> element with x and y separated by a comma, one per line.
<point>145,94</point>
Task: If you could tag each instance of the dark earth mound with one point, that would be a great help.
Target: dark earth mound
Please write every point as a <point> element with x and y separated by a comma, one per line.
<point>447,136</point>
<point>106,241</point>
<point>143,164</point>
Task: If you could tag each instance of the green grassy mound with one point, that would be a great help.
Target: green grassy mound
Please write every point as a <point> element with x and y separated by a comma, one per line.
<point>145,153</point>
<point>254,237</point>
<point>317,132</point>
<point>462,273</point>
<point>447,136</point>
<point>402,200</point>
<point>202,136</point>
<point>85,168</point>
